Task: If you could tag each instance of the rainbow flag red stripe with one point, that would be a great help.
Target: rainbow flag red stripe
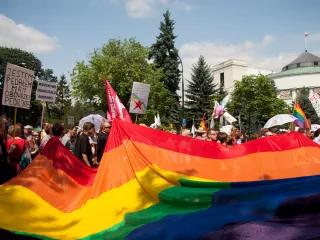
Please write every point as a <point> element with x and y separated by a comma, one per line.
<point>156,185</point>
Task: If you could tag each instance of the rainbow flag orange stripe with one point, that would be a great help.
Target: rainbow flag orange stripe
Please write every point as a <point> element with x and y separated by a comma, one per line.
<point>155,185</point>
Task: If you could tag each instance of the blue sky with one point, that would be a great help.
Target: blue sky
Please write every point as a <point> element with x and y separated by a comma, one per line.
<point>267,34</point>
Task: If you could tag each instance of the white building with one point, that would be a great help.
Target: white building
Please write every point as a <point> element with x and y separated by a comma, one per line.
<point>227,72</point>
<point>304,71</point>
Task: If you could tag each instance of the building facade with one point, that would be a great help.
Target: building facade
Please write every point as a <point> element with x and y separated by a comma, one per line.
<point>304,71</point>
<point>227,72</point>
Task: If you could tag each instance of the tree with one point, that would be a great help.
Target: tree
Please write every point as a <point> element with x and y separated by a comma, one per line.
<point>306,105</point>
<point>122,63</point>
<point>63,100</point>
<point>201,90</point>
<point>254,99</point>
<point>29,61</point>
<point>165,55</point>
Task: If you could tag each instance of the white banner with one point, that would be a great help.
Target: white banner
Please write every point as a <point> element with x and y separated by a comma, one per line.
<point>139,97</point>
<point>46,91</point>
<point>315,100</point>
<point>17,86</point>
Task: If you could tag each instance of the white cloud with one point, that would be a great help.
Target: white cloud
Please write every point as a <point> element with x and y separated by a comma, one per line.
<point>146,8</point>
<point>24,37</point>
<point>251,52</point>
<point>314,37</point>
<point>139,8</point>
<point>267,40</point>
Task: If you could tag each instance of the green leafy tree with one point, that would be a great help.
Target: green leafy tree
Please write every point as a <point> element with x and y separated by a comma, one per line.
<point>254,99</point>
<point>63,100</point>
<point>200,91</point>
<point>29,61</point>
<point>306,105</point>
<point>122,63</point>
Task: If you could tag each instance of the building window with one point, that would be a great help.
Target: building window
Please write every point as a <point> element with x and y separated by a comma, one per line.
<point>316,63</point>
<point>221,80</point>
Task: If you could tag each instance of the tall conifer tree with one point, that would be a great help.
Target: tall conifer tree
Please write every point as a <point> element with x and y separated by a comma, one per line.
<point>165,56</point>
<point>200,90</point>
<point>63,99</point>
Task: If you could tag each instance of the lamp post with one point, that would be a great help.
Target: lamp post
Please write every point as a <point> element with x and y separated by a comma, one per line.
<point>182,86</point>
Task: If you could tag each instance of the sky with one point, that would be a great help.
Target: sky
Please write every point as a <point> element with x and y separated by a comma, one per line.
<point>267,34</point>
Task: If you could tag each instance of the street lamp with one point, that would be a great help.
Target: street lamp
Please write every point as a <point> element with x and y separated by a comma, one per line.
<point>182,87</point>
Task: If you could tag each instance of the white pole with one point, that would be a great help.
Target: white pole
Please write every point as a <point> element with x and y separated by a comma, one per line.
<point>305,41</point>
<point>42,114</point>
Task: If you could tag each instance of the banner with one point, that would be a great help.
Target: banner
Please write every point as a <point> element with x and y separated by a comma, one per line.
<point>315,101</point>
<point>17,86</point>
<point>46,91</point>
<point>115,107</point>
<point>139,97</point>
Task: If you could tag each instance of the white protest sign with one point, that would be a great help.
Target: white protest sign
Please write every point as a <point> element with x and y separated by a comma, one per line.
<point>17,86</point>
<point>139,97</point>
<point>70,120</point>
<point>227,116</point>
<point>46,91</point>
<point>315,100</point>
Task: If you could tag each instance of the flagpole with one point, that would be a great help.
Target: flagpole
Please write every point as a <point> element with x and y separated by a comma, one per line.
<point>305,41</point>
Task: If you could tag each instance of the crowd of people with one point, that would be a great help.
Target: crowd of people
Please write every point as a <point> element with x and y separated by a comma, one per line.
<point>235,136</point>
<point>19,144</point>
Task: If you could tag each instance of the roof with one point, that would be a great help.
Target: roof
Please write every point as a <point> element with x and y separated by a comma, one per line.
<point>296,71</point>
<point>303,60</point>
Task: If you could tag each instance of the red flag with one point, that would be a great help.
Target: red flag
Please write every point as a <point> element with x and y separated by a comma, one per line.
<point>115,106</point>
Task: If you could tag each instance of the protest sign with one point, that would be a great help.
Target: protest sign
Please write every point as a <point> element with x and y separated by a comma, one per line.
<point>46,91</point>
<point>315,101</point>
<point>229,118</point>
<point>139,97</point>
<point>70,120</point>
<point>17,86</point>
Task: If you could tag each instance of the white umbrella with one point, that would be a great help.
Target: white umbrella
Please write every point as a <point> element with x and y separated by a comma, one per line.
<point>314,127</point>
<point>96,119</point>
<point>279,120</point>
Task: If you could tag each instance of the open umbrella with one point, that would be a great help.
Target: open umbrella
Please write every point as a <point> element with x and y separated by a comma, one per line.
<point>96,119</point>
<point>279,120</point>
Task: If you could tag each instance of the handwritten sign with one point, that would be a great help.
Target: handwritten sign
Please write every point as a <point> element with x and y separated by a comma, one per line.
<point>46,91</point>
<point>17,86</point>
<point>139,97</point>
<point>315,100</point>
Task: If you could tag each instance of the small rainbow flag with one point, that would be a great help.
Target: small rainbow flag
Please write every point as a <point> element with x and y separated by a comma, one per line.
<point>302,120</point>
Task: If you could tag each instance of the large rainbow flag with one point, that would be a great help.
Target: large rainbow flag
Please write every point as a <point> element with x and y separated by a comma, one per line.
<point>156,185</point>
